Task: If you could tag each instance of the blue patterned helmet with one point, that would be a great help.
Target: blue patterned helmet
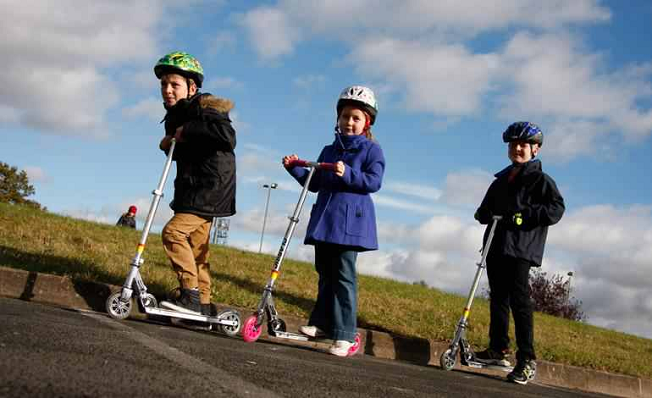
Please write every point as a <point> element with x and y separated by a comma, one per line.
<point>523,131</point>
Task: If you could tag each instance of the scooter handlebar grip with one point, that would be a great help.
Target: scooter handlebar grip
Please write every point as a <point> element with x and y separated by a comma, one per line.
<point>298,163</point>
<point>317,165</point>
<point>328,166</point>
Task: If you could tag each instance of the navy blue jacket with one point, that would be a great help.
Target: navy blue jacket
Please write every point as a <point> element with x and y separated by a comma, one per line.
<point>532,193</point>
<point>344,213</point>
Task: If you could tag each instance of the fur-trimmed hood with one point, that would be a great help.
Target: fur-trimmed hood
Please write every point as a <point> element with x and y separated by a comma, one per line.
<point>222,105</point>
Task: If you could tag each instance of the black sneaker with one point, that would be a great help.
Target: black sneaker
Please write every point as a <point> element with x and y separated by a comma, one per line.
<point>492,357</point>
<point>524,371</point>
<point>188,302</point>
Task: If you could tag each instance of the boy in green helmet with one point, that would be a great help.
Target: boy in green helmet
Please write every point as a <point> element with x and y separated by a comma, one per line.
<point>205,181</point>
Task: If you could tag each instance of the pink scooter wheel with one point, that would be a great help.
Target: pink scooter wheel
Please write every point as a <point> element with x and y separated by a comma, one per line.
<point>356,346</point>
<point>251,332</point>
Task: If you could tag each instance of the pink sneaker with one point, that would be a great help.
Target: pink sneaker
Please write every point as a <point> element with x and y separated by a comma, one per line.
<point>341,348</point>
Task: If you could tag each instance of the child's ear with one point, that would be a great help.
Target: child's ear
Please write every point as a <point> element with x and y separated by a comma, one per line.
<point>192,90</point>
<point>535,149</point>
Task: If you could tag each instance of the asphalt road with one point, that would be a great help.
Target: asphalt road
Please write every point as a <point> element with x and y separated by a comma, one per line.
<point>52,352</point>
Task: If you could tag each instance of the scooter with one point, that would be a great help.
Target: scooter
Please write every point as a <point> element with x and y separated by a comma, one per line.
<point>276,326</point>
<point>460,344</point>
<point>118,305</point>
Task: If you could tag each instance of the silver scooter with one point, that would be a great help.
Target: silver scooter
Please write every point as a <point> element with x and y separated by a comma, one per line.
<point>460,344</point>
<point>276,326</point>
<point>118,305</point>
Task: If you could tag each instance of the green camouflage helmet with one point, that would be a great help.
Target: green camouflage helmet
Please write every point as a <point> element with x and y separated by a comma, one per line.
<point>181,63</point>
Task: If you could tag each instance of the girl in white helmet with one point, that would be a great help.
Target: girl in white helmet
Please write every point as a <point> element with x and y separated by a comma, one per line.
<point>343,220</point>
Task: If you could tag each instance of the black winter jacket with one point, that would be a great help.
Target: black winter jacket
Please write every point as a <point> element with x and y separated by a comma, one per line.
<point>205,182</point>
<point>532,193</point>
<point>126,221</point>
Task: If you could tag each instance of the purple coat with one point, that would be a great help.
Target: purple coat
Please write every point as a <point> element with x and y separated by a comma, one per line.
<point>344,213</point>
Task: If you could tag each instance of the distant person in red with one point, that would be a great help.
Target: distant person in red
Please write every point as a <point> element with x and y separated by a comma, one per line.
<point>128,219</point>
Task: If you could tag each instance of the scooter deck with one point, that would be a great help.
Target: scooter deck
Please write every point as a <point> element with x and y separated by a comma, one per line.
<point>292,336</point>
<point>302,337</point>
<point>191,317</point>
<point>480,365</point>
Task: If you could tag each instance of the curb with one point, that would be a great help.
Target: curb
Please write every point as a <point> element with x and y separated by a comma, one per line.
<point>64,292</point>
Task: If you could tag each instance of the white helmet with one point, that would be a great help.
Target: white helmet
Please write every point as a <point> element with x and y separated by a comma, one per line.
<point>359,96</point>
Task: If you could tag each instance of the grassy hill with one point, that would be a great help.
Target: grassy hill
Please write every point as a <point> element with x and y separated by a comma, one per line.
<point>33,240</point>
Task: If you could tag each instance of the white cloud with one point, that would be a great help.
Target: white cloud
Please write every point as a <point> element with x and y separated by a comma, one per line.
<point>461,190</point>
<point>449,79</point>
<point>151,108</point>
<point>544,72</point>
<point>560,82</point>
<point>418,190</point>
<point>401,204</point>
<point>271,32</point>
<point>36,174</point>
<point>275,31</point>
<point>58,68</point>
<point>221,41</point>
<point>306,82</point>
<point>466,188</point>
<point>222,83</point>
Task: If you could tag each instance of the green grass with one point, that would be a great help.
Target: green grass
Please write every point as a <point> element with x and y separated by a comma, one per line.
<point>38,241</point>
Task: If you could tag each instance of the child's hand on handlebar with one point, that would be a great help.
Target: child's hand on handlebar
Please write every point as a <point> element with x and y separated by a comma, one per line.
<point>339,168</point>
<point>165,143</point>
<point>167,140</point>
<point>178,134</point>
<point>287,160</point>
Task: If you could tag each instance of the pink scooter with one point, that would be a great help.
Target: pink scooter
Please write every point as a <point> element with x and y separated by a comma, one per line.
<point>252,327</point>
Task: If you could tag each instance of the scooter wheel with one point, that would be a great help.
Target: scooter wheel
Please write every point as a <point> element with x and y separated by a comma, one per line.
<point>250,331</point>
<point>356,345</point>
<point>230,315</point>
<point>116,308</point>
<point>447,360</point>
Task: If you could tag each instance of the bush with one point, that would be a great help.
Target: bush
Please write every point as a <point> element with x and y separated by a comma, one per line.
<point>552,296</point>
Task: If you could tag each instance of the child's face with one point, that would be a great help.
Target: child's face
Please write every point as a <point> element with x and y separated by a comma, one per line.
<point>522,152</point>
<point>174,88</point>
<point>351,121</point>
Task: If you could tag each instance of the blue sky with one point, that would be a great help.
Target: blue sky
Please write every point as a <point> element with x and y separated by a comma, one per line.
<point>80,112</point>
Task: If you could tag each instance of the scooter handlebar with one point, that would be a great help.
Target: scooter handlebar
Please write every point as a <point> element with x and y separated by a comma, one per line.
<point>317,165</point>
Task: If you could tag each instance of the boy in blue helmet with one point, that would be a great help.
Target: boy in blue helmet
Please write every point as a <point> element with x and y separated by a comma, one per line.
<point>528,201</point>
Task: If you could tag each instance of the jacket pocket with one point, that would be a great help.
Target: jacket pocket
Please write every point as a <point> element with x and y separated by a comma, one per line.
<point>355,224</point>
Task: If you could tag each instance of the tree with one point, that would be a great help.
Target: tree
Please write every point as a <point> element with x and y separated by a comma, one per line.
<point>15,186</point>
<point>552,296</point>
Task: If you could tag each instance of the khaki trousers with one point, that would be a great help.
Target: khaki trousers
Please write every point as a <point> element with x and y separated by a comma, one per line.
<point>185,240</point>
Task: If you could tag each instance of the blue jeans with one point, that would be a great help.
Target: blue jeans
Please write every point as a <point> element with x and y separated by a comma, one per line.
<point>335,311</point>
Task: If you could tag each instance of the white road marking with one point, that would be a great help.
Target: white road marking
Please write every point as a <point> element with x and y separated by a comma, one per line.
<point>235,385</point>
